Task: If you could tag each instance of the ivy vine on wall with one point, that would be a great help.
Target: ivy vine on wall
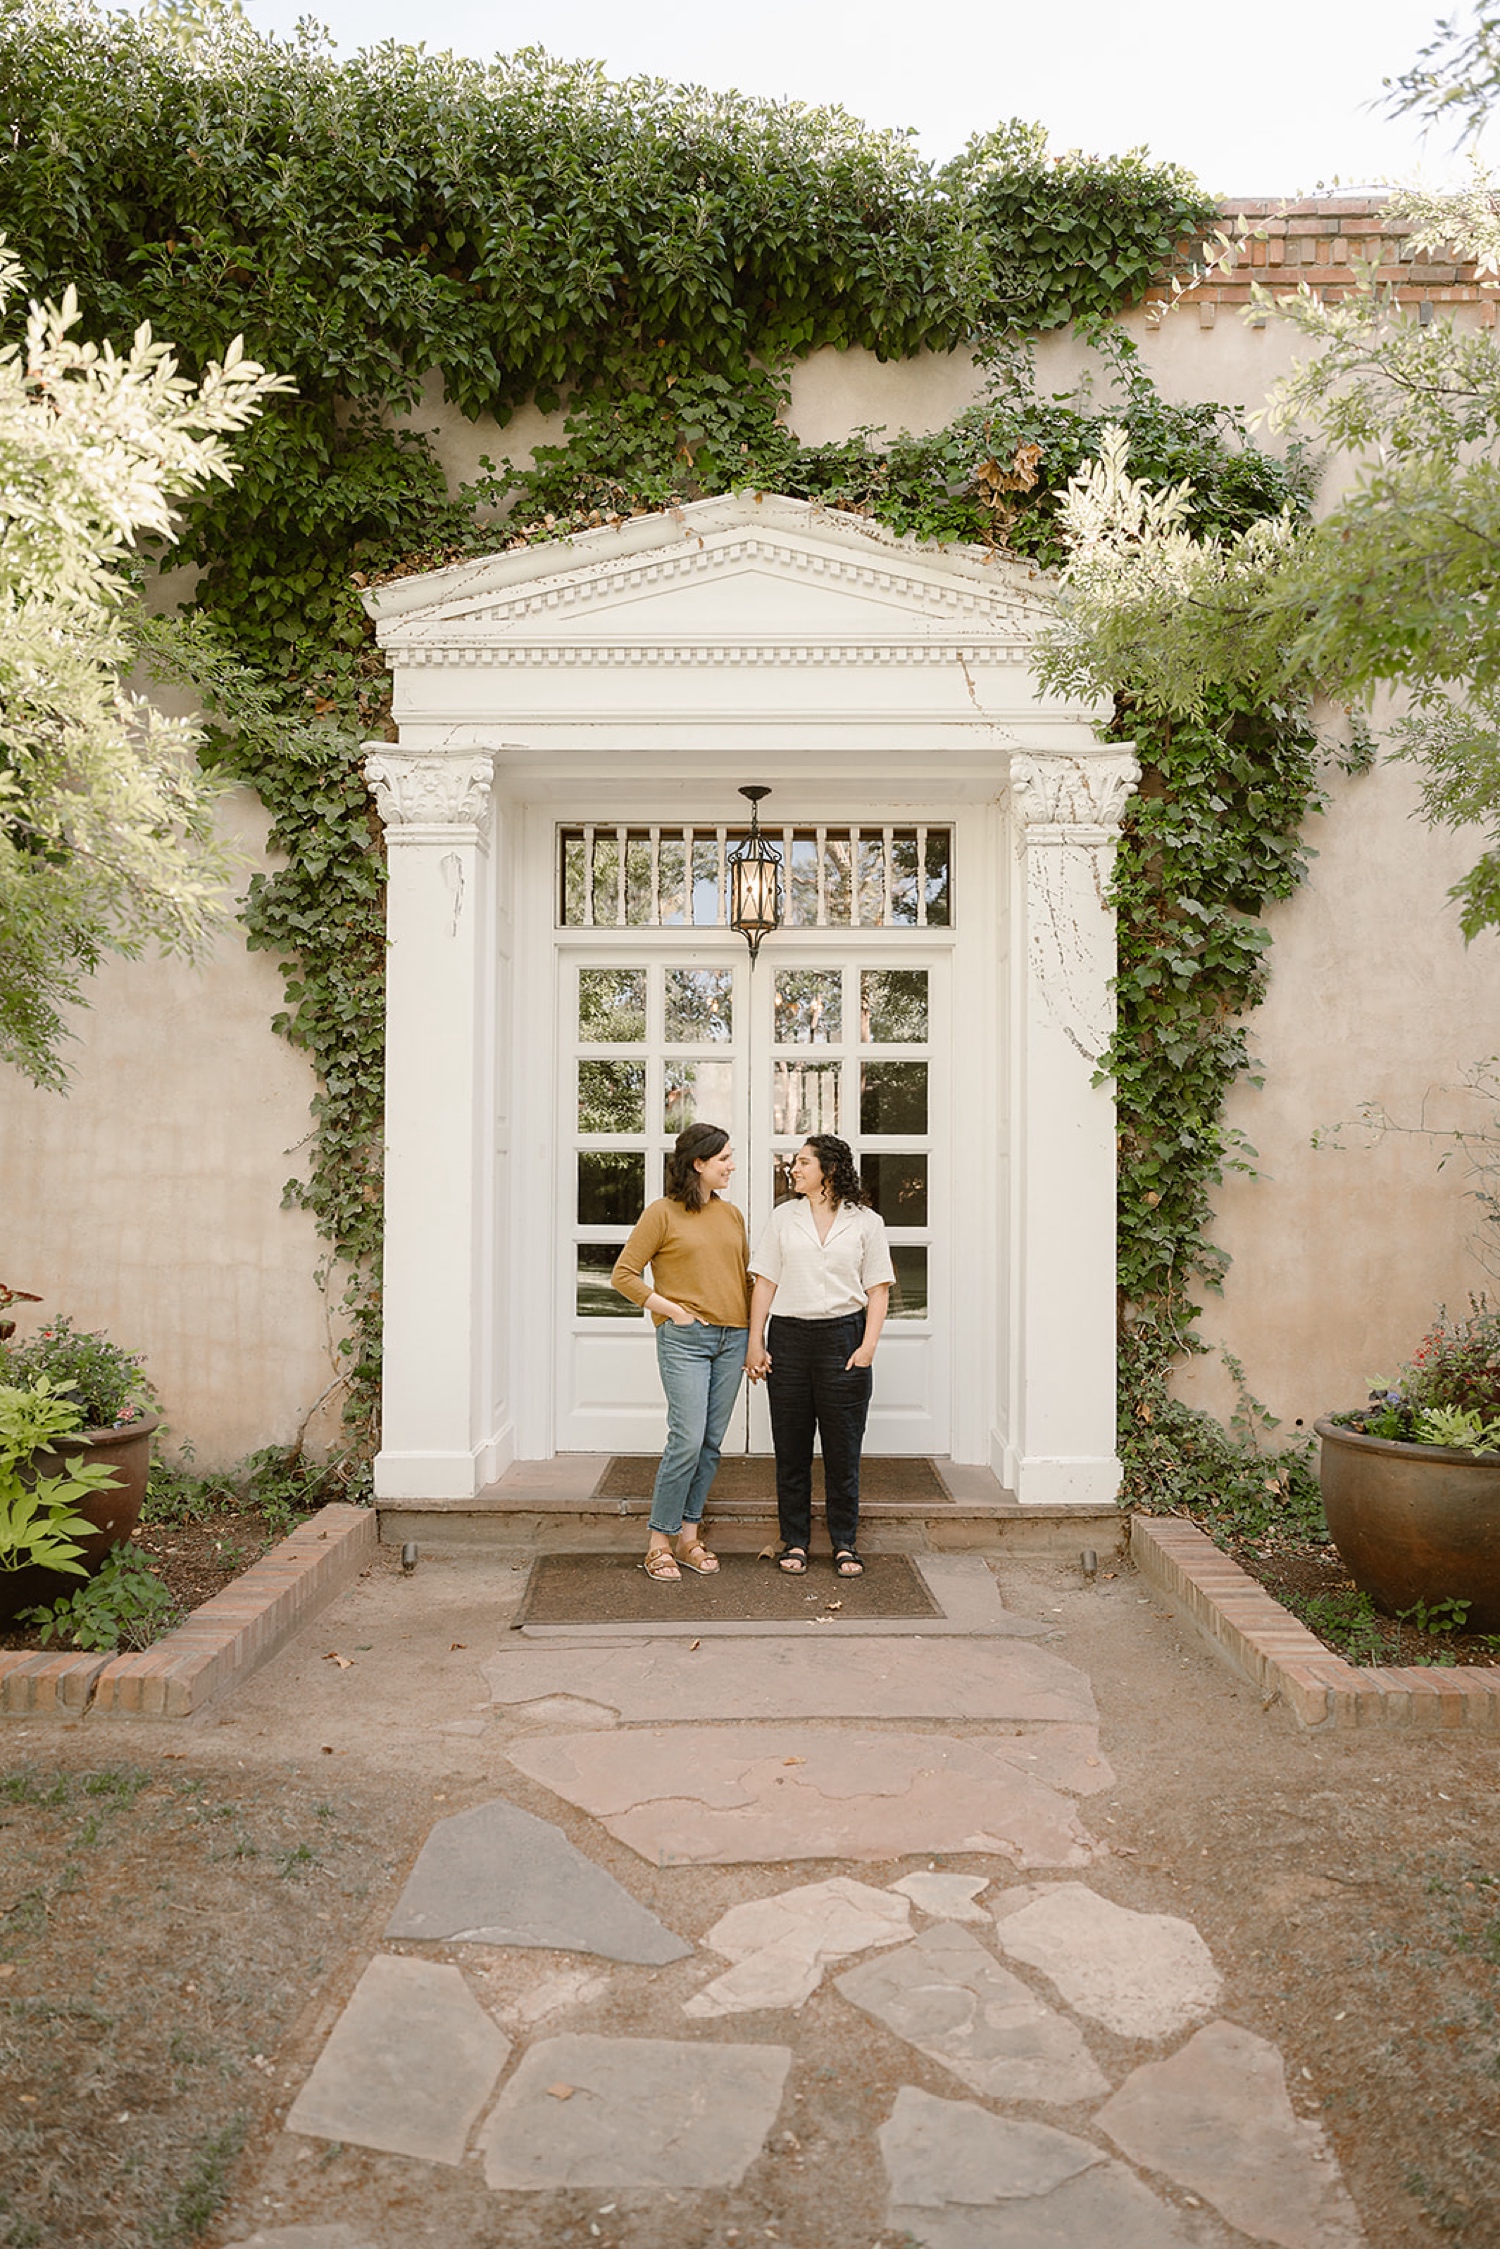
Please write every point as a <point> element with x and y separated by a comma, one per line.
<point>655,259</point>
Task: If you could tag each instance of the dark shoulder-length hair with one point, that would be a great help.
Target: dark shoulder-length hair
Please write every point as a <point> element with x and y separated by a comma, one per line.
<point>836,1162</point>
<point>695,1146</point>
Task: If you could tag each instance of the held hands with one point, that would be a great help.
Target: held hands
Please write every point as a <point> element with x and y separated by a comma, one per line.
<point>757,1364</point>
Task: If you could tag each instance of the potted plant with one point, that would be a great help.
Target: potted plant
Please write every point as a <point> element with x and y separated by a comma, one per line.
<point>1411,1481</point>
<point>44,1529</point>
<point>113,1397</point>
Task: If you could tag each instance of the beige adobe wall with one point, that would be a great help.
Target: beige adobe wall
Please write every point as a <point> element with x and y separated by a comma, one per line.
<point>147,1201</point>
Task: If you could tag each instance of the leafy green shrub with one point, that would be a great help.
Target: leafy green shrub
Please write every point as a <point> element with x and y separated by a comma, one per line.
<point>110,1386</point>
<point>124,1604</point>
<point>1448,1394</point>
<point>39,1518</point>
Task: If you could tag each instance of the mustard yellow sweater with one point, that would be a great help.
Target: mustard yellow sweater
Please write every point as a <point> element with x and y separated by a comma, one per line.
<point>698,1258</point>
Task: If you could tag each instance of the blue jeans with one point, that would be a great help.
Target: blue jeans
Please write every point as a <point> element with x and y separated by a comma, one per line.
<point>701,1367</point>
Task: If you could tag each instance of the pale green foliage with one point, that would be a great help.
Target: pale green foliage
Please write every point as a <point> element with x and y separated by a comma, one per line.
<point>106,829</point>
<point>1393,587</point>
<point>39,1520</point>
<point>1461,1428</point>
<point>1146,601</point>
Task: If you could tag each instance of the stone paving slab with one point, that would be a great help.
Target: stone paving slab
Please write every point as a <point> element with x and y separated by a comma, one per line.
<point>950,1998</point>
<point>781,1945</point>
<point>654,1682</point>
<point>586,2111</point>
<point>498,1875</point>
<point>409,2065</point>
<point>1215,2118</point>
<point>962,2178</point>
<point>729,1795</point>
<point>946,1897</point>
<point>1145,1975</point>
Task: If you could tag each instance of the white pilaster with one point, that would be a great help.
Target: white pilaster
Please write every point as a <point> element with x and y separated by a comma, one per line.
<point>1057,1445</point>
<point>438,1273</point>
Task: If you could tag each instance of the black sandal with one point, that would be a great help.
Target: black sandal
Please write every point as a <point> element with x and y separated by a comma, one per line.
<point>792,1560</point>
<point>846,1563</point>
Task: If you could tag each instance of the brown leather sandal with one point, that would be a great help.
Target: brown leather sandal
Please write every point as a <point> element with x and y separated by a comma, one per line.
<point>698,1558</point>
<point>659,1565</point>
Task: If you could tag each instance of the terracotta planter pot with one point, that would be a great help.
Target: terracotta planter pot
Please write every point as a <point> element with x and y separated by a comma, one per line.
<point>1414,1522</point>
<point>115,1510</point>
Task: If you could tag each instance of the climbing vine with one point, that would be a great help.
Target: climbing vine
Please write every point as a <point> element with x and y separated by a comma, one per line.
<point>652,258</point>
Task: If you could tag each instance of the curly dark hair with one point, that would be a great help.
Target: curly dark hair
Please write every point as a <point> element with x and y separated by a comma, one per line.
<point>695,1146</point>
<point>836,1162</point>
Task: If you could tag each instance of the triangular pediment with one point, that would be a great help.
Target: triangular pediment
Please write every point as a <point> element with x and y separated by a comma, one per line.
<point>743,570</point>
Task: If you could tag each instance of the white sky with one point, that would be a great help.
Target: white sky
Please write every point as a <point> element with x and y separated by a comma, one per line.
<point>1274,102</point>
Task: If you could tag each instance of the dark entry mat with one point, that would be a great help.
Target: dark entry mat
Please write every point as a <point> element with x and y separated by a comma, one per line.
<point>614,1589</point>
<point>752,1476</point>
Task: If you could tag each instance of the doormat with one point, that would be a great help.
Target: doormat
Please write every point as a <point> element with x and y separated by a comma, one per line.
<point>614,1589</point>
<point>752,1476</point>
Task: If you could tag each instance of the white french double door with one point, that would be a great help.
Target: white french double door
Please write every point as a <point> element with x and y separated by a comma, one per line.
<point>837,1032</point>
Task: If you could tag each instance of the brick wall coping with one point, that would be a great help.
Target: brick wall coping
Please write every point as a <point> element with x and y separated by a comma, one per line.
<point>1313,240</point>
<point>216,1648</point>
<point>1267,1645</point>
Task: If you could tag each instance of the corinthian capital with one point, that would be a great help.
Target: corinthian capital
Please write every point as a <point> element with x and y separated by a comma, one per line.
<point>1077,799</point>
<point>432,791</point>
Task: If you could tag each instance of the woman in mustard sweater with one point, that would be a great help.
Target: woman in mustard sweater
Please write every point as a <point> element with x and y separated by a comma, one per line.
<point>699,1296</point>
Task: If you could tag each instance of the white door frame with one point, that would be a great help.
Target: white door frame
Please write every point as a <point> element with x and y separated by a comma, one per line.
<point>667,662</point>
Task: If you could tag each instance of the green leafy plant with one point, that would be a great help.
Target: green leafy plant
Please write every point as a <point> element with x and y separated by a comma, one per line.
<point>39,1518</point>
<point>123,1605</point>
<point>109,1385</point>
<point>1436,1616</point>
<point>1448,1394</point>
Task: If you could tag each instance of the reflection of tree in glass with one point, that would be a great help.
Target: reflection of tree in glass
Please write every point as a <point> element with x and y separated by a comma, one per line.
<point>574,881</point>
<point>612,1005</point>
<point>700,1004</point>
<point>893,1005</point>
<point>672,882</point>
<point>611,1187</point>
<point>606,881</point>
<point>611,1097</point>
<point>802,884</point>
<point>808,1006</point>
<point>836,863</point>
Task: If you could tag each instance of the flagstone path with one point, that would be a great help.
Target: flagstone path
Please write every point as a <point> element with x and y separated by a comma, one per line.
<point>1059,2072</point>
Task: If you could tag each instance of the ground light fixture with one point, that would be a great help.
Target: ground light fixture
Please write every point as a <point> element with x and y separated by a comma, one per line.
<point>754,881</point>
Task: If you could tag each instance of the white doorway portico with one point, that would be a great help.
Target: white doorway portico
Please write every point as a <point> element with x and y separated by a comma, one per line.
<point>576,720</point>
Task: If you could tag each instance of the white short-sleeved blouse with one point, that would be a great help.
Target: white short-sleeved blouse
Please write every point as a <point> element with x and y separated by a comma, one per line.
<point>822,1280</point>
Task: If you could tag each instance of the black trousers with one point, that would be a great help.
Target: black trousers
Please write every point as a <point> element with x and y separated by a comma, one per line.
<point>811,1390</point>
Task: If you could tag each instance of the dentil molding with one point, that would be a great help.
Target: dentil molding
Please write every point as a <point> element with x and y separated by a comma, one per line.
<point>430,792</point>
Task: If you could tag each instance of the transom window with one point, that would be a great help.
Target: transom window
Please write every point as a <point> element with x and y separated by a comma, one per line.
<point>833,877</point>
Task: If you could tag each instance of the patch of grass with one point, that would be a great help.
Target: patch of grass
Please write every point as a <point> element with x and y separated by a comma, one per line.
<point>206,2187</point>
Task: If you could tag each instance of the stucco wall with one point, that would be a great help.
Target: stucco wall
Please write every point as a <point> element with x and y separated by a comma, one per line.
<point>147,1201</point>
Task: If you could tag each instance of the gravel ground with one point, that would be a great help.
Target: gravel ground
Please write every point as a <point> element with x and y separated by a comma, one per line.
<point>182,1910</point>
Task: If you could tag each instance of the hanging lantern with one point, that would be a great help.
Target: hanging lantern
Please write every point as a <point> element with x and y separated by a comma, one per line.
<point>754,881</point>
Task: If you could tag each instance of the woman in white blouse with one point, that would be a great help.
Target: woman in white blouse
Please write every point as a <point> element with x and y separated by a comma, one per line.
<point>825,1263</point>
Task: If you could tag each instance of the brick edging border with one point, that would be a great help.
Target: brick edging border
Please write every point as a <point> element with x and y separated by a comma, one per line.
<point>217,1647</point>
<point>1265,1643</point>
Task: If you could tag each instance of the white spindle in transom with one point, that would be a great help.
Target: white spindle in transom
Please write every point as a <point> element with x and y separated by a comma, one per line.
<point>822,922</point>
<point>722,921</point>
<point>622,849</point>
<point>655,878</point>
<point>888,876</point>
<point>588,876</point>
<point>921,878</point>
<point>854,874</point>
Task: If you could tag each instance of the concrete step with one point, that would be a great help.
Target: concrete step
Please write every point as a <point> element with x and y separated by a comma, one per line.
<point>551,1506</point>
